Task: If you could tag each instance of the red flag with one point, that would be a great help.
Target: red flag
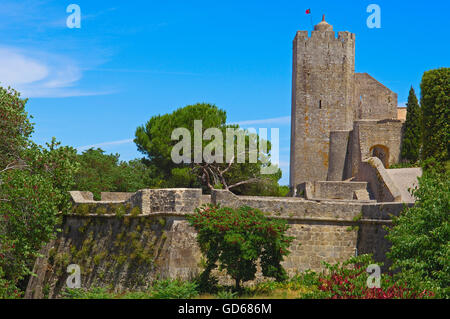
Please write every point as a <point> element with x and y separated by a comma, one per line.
<point>308,11</point>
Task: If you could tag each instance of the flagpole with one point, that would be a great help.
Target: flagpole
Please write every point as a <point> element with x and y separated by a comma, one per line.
<point>308,11</point>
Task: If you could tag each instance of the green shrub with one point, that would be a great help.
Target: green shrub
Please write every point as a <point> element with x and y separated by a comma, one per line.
<point>120,211</point>
<point>173,289</point>
<point>135,211</point>
<point>435,101</point>
<point>82,209</point>
<point>412,136</point>
<point>8,289</point>
<point>237,239</point>
<point>226,294</point>
<point>101,210</point>
<point>421,234</point>
<point>93,293</point>
<point>161,289</point>
<point>136,295</point>
<point>348,280</point>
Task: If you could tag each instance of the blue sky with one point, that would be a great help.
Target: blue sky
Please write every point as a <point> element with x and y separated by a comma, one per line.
<point>134,59</point>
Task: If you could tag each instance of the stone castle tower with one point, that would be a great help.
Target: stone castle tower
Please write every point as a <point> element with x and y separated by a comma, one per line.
<point>330,103</point>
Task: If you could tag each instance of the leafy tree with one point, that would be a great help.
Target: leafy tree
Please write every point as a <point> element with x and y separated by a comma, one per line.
<point>421,236</point>
<point>134,176</point>
<point>57,164</point>
<point>412,137</point>
<point>32,199</point>
<point>15,128</point>
<point>101,172</point>
<point>241,175</point>
<point>237,239</point>
<point>34,181</point>
<point>435,106</point>
<point>267,186</point>
<point>154,140</point>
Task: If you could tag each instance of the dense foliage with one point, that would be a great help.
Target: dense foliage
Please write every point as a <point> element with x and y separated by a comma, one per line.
<point>421,236</point>
<point>154,140</point>
<point>31,198</point>
<point>345,280</point>
<point>236,239</point>
<point>35,180</point>
<point>34,185</point>
<point>435,106</point>
<point>349,280</point>
<point>412,136</point>
<point>15,127</point>
<point>100,172</point>
<point>160,289</point>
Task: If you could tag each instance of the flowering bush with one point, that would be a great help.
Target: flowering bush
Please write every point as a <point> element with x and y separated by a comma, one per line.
<point>237,239</point>
<point>7,289</point>
<point>348,280</point>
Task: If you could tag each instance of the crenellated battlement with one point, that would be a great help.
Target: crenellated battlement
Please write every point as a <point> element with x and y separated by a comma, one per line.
<point>142,202</point>
<point>341,36</point>
<point>327,98</point>
<point>132,250</point>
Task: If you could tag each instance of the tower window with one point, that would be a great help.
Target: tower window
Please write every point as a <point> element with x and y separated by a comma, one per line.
<point>320,104</point>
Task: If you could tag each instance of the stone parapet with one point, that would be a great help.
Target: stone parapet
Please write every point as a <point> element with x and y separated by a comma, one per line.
<point>132,250</point>
<point>381,186</point>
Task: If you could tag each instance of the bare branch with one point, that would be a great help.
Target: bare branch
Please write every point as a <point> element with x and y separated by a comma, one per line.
<point>251,180</point>
<point>232,161</point>
<point>228,167</point>
<point>11,166</point>
<point>207,179</point>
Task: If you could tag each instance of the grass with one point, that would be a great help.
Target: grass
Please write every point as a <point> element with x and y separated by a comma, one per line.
<point>161,289</point>
<point>294,288</point>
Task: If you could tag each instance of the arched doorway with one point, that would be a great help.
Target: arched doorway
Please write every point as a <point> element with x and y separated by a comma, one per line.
<point>382,152</point>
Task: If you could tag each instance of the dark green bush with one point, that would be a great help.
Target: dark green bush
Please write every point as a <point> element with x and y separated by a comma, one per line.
<point>236,239</point>
<point>161,289</point>
<point>421,236</point>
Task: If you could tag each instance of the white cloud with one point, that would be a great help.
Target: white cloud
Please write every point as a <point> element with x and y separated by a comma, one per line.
<point>104,144</point>
<point>40,74</point>
<point>16,69</point>
<point>276,120</point>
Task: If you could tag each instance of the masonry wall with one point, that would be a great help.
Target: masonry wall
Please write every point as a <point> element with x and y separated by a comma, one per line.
<point>331,190</point>
<point>322,99</point>
<point>129,251</point>
<point>337,190</point>
<point>373,100</point>
<point>380,185</point>
<point>339,145</point>
<point>372,230</point>
<point>119,253</point>
<point>387,133</point>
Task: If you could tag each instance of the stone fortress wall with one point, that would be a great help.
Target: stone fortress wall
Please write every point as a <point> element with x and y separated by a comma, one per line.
<point>344,135</point>
<point>339,117</point>
<point>132,239</point>
<point>322,99</point>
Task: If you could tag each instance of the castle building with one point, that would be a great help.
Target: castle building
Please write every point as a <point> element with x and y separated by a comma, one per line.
<point>339,117</point>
